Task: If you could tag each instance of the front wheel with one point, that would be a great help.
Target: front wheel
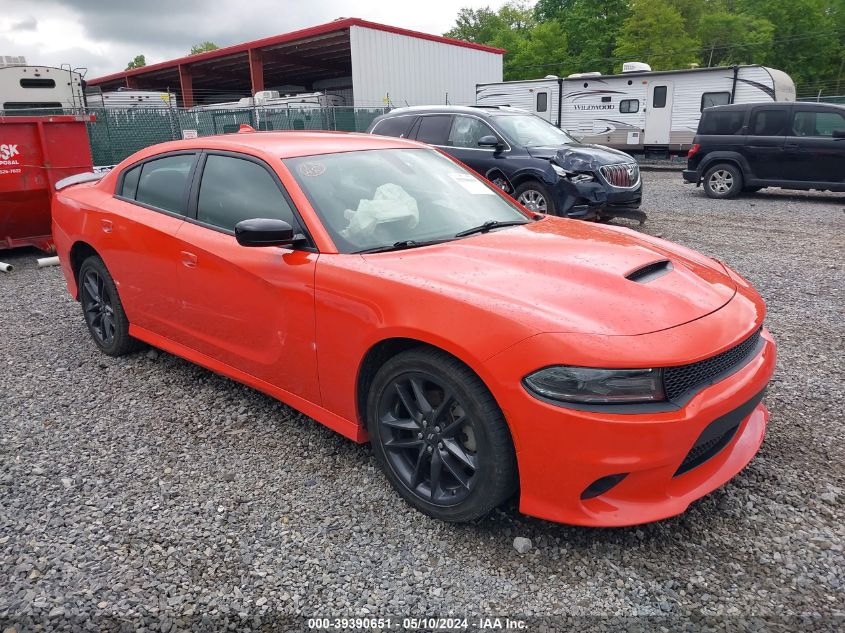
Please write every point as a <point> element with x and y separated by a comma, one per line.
<point>723,181</point>
<point>439,436</point>
<point>535,196</point>
<point>103,311</point>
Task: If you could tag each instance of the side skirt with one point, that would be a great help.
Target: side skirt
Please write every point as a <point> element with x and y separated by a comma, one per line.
<point>335,422</point>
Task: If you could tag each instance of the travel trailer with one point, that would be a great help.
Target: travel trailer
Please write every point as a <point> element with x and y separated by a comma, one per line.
<point>128,98</point>
<point>639,109</point>
<point>274,99</point>
<point>39,88</point>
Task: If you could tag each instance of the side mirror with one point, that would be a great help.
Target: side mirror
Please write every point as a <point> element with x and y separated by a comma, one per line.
<point>265,232</point>
<point>838,133</point>
<point>490,142</point>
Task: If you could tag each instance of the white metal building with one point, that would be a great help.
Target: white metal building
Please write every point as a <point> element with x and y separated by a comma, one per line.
<point>366,63</point>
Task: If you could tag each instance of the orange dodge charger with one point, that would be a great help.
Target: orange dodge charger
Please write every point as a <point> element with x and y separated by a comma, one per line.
<point>378,286</point>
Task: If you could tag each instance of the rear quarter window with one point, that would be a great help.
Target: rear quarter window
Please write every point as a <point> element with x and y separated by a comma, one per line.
<point>722,123</point>
<point>397,126</point>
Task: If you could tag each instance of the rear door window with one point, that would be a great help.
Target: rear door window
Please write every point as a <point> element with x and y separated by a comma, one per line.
<point>434,129</point>
<point>163,183</point>
<point>542,101</point>
<point>769,122</point>
<point>659,98</point>
<point>396,126</point>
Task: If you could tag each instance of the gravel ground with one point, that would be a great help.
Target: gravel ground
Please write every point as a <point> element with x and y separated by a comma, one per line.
<point>148,491</point>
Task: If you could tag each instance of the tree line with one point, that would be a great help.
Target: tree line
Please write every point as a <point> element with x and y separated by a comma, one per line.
<point>804,38</point>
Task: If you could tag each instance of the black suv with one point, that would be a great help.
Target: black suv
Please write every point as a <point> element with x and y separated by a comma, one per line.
<point>744,148</point>
<point>538,164</point>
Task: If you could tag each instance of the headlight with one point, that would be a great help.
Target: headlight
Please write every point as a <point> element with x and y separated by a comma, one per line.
<point>597,386</point>
<point>572,176</point>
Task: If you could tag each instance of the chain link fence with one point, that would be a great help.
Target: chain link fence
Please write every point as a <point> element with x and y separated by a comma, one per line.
<point>118,133</point>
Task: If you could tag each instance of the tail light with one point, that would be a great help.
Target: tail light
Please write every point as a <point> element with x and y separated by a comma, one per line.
<point>693,150</point>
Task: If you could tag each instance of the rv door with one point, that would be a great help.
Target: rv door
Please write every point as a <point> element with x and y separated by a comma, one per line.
<point>658,115</point>
<point>543,104</point>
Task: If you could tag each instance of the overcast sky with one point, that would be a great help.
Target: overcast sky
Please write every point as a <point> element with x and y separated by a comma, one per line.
<point>103,35</point>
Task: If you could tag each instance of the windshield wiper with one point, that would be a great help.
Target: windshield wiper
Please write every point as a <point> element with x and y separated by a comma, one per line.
<point>489,225</point>
<point>399,246</point>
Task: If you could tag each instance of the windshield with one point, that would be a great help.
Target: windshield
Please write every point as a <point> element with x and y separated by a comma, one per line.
<point>377,198</point>
<point>531,131</point>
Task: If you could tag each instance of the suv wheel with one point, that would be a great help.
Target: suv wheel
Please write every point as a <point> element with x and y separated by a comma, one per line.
<point>439,436</point>
<point>535,197</point>
<point>723,181</point>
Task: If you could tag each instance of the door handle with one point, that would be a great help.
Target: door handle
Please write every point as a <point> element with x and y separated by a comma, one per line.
<point>189,259</point>
<point>107,226</point>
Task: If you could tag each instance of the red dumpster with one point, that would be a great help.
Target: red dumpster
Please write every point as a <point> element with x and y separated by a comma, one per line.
<point>35,153</point>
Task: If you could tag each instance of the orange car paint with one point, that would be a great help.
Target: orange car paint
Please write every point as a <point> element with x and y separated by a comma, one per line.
<point>506,303</point>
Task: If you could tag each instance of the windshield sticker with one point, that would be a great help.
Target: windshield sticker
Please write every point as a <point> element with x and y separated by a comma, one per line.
<point>311,169</point>
<point>472,184</point>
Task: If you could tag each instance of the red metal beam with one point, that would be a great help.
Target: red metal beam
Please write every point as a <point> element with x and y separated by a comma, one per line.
<point>256,70</point>
<point>187,86</point>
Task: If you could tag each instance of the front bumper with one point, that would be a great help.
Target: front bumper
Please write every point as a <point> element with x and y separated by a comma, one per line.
<point>593,200</point>
<point>562,451</point>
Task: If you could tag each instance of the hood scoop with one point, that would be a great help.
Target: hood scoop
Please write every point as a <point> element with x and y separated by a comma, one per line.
<point>650,272</point>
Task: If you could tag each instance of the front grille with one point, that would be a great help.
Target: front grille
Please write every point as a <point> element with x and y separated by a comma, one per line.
<point>621,175</point>
<point>678,381</point>
<point>703,449</point>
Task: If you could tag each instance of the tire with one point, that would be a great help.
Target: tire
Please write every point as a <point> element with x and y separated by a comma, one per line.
<point>102,310</point>
<point>465,441</point>
<point>723,180</point>
<point>535,197</point>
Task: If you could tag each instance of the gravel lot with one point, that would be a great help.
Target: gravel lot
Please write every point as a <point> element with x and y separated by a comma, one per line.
<point>148,491</point>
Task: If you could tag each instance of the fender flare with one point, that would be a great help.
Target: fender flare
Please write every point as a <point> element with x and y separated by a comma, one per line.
<point>724,157</point>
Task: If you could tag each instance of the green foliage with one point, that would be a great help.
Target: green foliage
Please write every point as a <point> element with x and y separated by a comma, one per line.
<point>805,38</point>
<point>203,47</point>
<point>139,62</point>
<point>654,33</point>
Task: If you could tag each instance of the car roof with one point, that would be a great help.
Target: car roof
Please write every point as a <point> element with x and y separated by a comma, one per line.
<point>289,144</point>
<point>785,104</point>
<point>483,111</point>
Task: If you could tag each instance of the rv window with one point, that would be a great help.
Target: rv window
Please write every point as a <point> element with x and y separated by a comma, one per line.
<point>434,129</point>
<point>37,83</point>
<point>542,101</point>
<point>709,99</point>
<point>769,122</point>
<point>32,105</point>
<point>628,106</point>
<point>723,122</point>
<point>659,98</point>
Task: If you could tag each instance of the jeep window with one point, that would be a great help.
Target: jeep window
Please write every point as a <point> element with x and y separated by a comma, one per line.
<point>808,123</point>
<point>467,131</point>
<point>629,106</point>
<point>532,131</point>
<point>394,126</point>
<point>709,99</point>
<point>434,129</point>
<point>658,100</point>
<point>769,122</point>
<point>542,101</point>
<point>721,122</point>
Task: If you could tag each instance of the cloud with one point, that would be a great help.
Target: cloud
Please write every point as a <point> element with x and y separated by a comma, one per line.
<point>104,35</point>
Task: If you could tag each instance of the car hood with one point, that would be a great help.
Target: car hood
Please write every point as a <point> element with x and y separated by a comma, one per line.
<point>560,275</point>
<point>581,157</point>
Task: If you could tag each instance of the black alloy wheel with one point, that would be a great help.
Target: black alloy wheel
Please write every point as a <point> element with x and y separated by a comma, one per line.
<point>102,309</point>
<point>440,436</point>
<point>429,439</point>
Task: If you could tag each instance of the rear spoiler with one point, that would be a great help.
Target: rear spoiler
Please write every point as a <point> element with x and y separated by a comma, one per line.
<point>79,179</point>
